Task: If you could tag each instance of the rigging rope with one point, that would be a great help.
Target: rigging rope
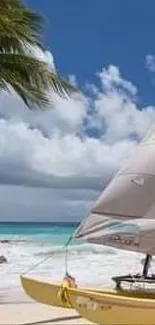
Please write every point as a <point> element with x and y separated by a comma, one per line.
<point>66,253</point>
<point>48,257</point>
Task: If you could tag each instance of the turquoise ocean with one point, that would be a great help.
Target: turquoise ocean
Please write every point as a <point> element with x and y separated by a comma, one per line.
<point>38,249</point>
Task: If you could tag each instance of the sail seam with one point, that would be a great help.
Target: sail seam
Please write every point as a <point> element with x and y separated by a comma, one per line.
<point>97,229</point>
<point>139,174</point>
<point>115,214</point>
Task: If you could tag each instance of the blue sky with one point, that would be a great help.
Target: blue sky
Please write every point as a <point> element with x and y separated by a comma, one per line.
<point>84,35</point>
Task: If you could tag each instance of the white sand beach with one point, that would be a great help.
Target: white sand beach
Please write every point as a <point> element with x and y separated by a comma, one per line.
<point>35,314</point>
<point>24,311</point>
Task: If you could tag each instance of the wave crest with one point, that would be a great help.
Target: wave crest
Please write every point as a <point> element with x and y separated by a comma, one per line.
<point>83,249</point>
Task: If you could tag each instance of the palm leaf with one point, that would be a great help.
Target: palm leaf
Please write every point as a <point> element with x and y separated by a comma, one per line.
<point>18,26</point>
<point>28,75</point>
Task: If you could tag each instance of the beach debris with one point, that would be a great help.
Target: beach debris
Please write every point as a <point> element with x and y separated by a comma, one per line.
<point>5,241</point>
<point>8,241</point>
<point>3,259</point>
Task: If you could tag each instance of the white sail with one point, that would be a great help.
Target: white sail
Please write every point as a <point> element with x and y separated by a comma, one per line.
<point>134,235</point>
<point>129,196</point>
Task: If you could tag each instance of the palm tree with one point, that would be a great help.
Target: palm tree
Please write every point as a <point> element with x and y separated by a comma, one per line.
<point>30,78</point>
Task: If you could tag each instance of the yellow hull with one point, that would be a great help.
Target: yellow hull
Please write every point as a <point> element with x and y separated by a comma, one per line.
<point>109,307</point>
<point>112,309</point>
<point>43,291</point>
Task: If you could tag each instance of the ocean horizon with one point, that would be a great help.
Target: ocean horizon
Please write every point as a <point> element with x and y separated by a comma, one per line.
<point>70,223</point>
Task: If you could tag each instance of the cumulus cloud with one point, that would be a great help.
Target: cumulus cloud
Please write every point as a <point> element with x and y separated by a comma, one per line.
<point>111,78</point>
<point>117,108</point>
<point>73,148</point>
<point>66,156</point>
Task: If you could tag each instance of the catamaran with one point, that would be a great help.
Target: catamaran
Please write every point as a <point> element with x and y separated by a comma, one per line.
<point>123,217</point>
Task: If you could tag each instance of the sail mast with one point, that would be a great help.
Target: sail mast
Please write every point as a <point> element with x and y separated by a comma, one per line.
<point>146,265</point>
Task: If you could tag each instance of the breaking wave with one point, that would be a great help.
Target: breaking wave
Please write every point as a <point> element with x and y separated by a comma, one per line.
<point>76,250</point>
<point>44,255</point>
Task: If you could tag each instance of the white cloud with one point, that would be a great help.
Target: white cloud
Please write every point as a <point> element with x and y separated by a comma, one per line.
<point>45,56</point>
<point>111,78</point>
<point>116,108</point>
<point>58,149</point>
<point>60,155</point>
<point>66,116</point>
<point>150,62</point>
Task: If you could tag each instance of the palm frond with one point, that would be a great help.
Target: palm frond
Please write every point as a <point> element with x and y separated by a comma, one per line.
<point>27,74</point>
<point>31,96</point>
<point>33,20</point>
<point>18,26</point>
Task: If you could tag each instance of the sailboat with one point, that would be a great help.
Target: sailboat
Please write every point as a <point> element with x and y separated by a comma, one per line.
<point>123,217</point>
